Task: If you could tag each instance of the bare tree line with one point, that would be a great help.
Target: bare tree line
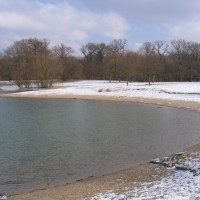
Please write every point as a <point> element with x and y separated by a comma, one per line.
<point>29,61</point>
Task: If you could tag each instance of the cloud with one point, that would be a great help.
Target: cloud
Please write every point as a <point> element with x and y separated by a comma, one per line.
<point>150,20</point>
<point>77,22</point>
<point>189,30</point>
<point>78,35</point>
<point>115,26</point>
<point>147,10</point>
<point>58,22</point>
<point>15,21</point>
<point>137,46</point>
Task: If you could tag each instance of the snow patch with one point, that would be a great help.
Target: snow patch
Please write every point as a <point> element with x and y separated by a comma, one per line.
<point>180,185</point>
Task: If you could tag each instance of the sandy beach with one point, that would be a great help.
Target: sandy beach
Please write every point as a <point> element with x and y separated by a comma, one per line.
<point>116,182</point>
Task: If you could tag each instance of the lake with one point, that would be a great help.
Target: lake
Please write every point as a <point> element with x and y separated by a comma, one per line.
<point>52,142</point>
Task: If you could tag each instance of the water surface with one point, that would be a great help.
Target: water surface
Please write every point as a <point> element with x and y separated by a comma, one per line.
<point>50,142</point>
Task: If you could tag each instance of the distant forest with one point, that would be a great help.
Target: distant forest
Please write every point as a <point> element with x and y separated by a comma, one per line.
<point>33,59</point>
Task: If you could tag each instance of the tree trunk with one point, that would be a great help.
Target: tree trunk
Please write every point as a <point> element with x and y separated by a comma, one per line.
<point>153,78</point>
<point>149,78</point>
<point>190,74</point>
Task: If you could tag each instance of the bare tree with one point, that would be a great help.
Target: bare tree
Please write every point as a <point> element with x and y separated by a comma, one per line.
<point>118,47</point>
<point>131,64</point>
<point>94,55</point>
<point>19,59</point>
<point>62,51</point>
<point>148,53</point>
<point>88,51</point>
<point>116,50</point>
<point>31,59</point>
<point>45,69</point>
<point>74,70</point>
<point>193,60</point>
<point>62,54</point>
<point>161,48</point>
<point>178,52</point>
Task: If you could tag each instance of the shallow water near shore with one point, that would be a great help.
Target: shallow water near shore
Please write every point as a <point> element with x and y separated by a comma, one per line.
<point>51,142</point>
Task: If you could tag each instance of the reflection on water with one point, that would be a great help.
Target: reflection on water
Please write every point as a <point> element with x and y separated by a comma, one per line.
<point>50,142</point>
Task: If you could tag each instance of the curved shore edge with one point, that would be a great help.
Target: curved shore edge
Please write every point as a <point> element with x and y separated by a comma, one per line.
<point>191,105</point>
<point>116,181</point>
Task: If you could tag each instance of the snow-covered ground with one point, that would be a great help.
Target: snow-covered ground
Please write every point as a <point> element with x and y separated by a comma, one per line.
<point>180,185</point>
<point>9,88</point>
<point>186,91</point>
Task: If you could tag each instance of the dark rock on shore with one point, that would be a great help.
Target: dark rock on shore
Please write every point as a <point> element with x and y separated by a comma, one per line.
<point>181,161</point>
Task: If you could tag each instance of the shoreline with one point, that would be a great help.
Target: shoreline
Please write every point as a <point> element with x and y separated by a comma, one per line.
<point>116,181</point>
<point>191,105</point>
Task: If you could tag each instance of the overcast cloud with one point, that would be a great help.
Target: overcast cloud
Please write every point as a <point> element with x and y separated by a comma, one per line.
<point>78,22</point>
